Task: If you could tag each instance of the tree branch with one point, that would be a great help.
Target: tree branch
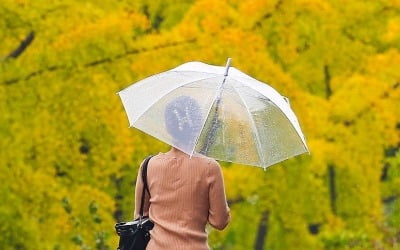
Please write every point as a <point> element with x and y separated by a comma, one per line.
<point>262,231</point>
<point>327,76</point>
<point>22,47</point>
<point>332,187</point>
<point>235,201</point>
<point>100,61</point>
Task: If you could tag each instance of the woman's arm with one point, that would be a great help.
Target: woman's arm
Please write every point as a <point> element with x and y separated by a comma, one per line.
<point>138,195</point>
<point>218,213</point>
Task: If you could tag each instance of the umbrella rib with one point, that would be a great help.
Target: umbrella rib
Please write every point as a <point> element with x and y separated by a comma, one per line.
<point>253,125</point>
<point>169,91</point>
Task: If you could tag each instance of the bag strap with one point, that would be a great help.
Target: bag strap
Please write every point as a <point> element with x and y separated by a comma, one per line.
<point>145,186</point>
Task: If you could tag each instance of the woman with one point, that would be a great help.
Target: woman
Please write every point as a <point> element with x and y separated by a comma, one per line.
<point>185,192</point>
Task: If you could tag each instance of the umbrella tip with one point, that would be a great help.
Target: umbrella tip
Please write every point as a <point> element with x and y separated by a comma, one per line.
<point>228,64</point>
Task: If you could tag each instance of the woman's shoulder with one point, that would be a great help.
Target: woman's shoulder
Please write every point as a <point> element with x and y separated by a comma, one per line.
<point>196,157</point>
<point>210,165</point>
<point>206,159</point>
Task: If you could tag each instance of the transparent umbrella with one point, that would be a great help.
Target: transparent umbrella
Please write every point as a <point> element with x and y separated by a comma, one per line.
<point>216,111</point>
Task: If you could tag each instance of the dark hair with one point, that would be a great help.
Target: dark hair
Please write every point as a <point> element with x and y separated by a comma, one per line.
<point>183,119</point>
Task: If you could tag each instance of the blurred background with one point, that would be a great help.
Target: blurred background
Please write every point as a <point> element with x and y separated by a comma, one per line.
<point>69,161</point>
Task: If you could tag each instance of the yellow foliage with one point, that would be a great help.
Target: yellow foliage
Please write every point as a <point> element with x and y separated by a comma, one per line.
<point>255,10</point>
<point>218,16</point>
<point>123,23</point>
<point>70,161</point>
<point>393,30</point>
<point>355,97</point>
<point>394,3</point>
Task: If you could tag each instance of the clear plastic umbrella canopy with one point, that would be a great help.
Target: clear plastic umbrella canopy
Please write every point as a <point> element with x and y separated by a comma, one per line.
<point>216,111</point>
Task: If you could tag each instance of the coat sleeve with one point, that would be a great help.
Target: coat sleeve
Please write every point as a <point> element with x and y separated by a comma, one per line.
<point>218,213</point>
<point>138,195</point>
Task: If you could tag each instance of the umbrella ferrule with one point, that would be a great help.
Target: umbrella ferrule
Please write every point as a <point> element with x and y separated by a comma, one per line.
<point>228,64</point>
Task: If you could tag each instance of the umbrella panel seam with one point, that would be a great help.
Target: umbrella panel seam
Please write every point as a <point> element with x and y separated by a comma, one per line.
<point>259,149</point>
<point>298,133</point>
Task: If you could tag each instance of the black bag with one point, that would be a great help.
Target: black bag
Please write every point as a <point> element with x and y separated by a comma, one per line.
<point>134,235</point>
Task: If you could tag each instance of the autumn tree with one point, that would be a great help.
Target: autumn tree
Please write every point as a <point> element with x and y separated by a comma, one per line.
<point>70,161</point>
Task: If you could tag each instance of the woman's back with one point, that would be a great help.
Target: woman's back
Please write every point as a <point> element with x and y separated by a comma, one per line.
<point>186,193</point>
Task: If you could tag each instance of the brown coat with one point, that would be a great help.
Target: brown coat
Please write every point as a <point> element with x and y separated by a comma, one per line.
<point>185,195</point>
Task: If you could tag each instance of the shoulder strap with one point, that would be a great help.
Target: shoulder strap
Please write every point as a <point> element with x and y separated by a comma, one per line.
<point>145,187</point>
